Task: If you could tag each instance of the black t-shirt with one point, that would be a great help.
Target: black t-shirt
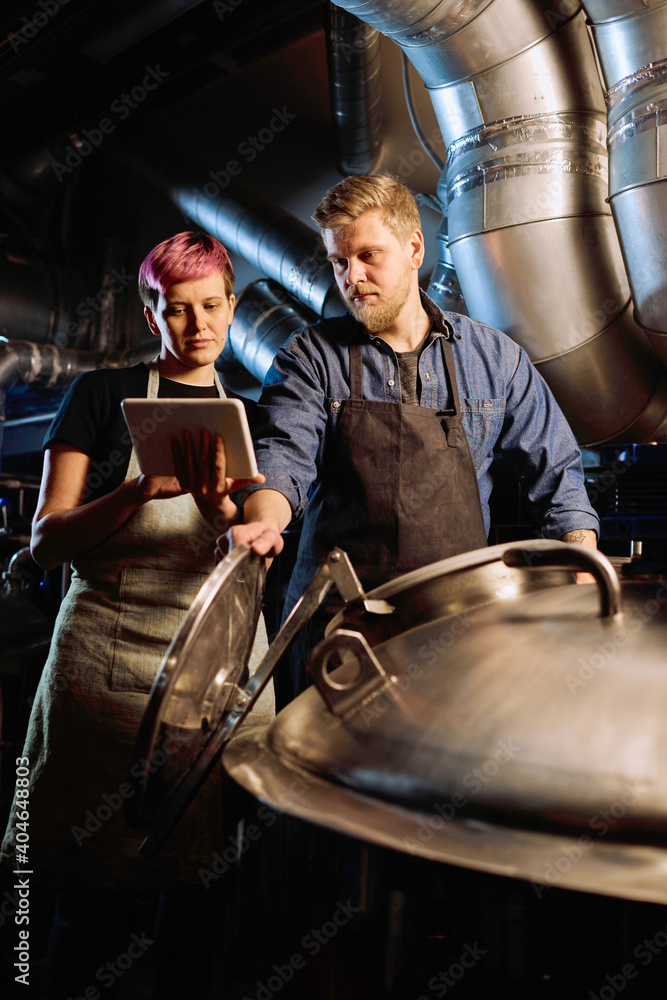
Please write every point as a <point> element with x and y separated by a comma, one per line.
<point>90,419</point>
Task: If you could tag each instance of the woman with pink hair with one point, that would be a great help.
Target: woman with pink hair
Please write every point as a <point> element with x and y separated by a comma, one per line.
<point>141,547</point>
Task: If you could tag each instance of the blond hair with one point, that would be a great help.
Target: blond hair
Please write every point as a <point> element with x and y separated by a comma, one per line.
<point>351,197</point>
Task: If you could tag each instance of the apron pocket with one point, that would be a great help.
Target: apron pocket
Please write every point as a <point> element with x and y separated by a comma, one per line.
<point>152,605</point>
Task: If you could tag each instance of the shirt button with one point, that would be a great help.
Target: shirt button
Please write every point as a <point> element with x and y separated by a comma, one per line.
<point>390,382</point>
<point>427,377</point>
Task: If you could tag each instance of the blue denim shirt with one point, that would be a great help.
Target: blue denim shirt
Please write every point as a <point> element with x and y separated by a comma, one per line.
<point>506,404</point>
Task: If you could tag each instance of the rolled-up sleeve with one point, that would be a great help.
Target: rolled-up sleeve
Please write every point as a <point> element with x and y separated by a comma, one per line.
<point>538,442</point>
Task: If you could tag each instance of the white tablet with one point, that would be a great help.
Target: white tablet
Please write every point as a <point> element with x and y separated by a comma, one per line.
<point>153,423</point>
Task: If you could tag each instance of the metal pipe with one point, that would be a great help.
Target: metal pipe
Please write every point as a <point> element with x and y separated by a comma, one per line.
<point>264,317</point>
<point>628,34</point>
<point>14,578</point>
<point>631,39</point>
<point>278,244</point>
<point>22,361</point>
<point>38,300</point>
<point>355,89</point>
<point>517,94</point>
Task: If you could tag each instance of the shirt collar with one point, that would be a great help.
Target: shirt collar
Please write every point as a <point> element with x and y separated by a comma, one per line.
<point>440,326</point>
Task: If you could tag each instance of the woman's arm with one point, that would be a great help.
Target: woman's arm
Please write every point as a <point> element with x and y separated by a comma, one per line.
<point>63,529</point>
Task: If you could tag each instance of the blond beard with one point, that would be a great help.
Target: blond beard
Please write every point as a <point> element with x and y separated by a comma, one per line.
<point>378,317</point>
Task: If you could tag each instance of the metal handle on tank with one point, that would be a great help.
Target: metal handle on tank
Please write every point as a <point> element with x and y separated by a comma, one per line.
<point>577,558</point>
<point>370,676</point>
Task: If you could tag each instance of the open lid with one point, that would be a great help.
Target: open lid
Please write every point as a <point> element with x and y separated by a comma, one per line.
<point>199,696</point>
<point>203,690</point>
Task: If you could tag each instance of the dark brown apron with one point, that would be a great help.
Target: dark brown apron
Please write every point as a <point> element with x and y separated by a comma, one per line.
<point>398,491</point>
<point>410,488</point>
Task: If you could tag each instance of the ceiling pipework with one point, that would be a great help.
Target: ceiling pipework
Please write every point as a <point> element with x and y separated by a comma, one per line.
<point>517,94</point>
<point>355,88</point>
<point>631,40</point>
<point>277,243</point>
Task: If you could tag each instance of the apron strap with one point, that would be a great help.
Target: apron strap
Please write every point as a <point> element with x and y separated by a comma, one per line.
<point>450,368</point>
<point>356,369</point>
<point>154,380</point>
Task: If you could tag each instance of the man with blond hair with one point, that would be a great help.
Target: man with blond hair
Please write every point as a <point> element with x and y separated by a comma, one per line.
<point>378,427</point>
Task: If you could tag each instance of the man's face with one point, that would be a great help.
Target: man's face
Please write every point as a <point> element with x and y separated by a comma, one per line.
<point>192,319</point>
<point>373,270</point>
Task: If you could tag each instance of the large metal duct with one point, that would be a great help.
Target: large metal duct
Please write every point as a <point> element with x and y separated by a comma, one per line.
<point>444,285</point>
<point>353,59</point>
<point>38,301</point>
<point>631,40</point>
<point>264,317</point>
<point>517,94</point>
<point>277,243</point>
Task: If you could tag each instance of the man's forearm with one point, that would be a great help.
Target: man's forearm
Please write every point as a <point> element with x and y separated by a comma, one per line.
<point>581,536</point>
<point>269,506</point>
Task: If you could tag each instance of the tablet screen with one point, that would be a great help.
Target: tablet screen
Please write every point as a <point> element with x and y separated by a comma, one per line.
<point>153,423</point>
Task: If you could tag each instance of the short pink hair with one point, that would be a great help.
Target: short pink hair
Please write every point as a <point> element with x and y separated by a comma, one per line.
<point>183,257</point>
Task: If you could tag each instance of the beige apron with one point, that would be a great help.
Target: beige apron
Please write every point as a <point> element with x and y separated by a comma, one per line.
<point>126,601</point>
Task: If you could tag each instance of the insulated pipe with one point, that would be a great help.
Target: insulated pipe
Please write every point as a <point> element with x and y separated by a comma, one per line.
<point>629,34</point>
<point>518,98</point>
<point>444,286</point>
<point>264,317</point>
<point>38,300</point>
<point>353,59</point>
<point>23,361</point>
<point>631,39</point>
<point>278,244</point>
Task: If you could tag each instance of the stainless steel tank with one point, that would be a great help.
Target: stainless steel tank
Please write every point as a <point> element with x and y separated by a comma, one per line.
<point>488,718</point>
<point>522,720</point>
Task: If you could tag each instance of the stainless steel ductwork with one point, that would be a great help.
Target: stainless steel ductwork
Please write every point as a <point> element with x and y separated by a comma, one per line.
<point>631,40</point>
<point>38,300</point>
<point>353,59</point>
<point>264,317</point>
<point>444,285</point>
<point>277,243</point>
<point>517,94</point>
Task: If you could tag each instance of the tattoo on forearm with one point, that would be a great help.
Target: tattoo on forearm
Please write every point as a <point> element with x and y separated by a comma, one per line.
<point>577,537</point>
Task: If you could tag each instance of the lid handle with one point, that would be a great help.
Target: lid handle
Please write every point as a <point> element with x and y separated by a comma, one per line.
<point>577,558</point>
